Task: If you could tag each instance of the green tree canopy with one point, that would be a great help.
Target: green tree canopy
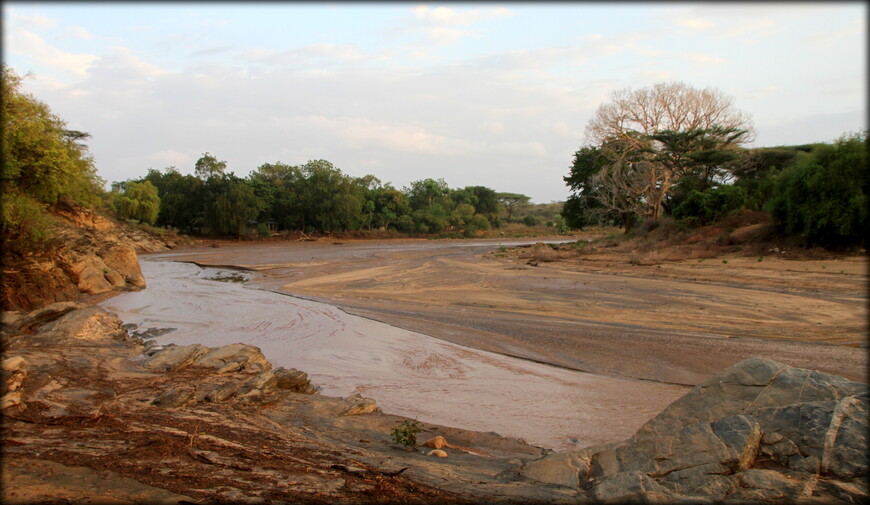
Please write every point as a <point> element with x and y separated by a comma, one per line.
<point>139,201</point>
<point>43,163</point>
<point>512,201</point>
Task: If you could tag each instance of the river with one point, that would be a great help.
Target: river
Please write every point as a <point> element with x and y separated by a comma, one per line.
<point>408,373</point>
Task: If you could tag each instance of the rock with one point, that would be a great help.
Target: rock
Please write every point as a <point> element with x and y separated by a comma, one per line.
<point>436,442</point>
<point>39,317</point>
<point>115,279</point>
<point>90,325</point>
<point>175,397</point>
<point>174,357</point>
<point>293,380</point>
<point>234,358</point>
<point>631,487</point>
<point>845,451</point>
<point>11,399</point>
<point>14,371</point>
<point>769,480</point>
<point>438,453</point>
<point>121,260</point>
<point>845,492</point>
<point>561,469</point>
<point>221,392</point>
<point>359,405</point>
<point>759,430</point>
<point>89,275</point>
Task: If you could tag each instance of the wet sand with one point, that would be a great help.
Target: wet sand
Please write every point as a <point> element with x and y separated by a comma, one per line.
<point>676,322</point>
<point>408,373</point>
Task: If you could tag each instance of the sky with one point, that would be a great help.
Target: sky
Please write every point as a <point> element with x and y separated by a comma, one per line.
<point>488,94</point>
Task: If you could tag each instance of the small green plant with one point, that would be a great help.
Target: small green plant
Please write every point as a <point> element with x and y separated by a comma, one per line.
<point>760,259</point>
<point>405,433</point>
<point>502,249</point>
<point>725,261</point>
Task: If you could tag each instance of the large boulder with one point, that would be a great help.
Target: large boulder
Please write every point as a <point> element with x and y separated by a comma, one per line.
<point>759,430</point>
<point>86,326</point>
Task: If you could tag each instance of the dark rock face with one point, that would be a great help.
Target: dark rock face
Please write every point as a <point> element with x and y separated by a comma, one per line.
<point>758,431</point>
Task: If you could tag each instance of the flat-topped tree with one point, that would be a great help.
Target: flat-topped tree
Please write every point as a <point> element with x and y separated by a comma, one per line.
<point>511,202</point>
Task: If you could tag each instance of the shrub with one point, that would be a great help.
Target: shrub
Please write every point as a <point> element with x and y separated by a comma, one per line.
<point>405,433</point>
<point>530,220</point>
<point>26,225</point>
<point>708,206</point>
<point>823,196</point>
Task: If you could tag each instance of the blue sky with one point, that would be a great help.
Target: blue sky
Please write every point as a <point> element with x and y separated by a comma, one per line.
<point>477,94</point>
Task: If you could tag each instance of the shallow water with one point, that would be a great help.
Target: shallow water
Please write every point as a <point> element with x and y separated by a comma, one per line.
<point>408,373</point>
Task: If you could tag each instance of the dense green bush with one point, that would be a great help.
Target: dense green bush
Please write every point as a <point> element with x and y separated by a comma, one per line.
<point>708,206</point>
<point>822,197</point>
<point>44,164</point>
<point>26,224</point>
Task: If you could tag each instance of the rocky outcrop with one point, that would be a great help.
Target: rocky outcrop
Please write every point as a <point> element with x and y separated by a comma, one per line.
<point>237,372</point>
<point>758,431</point>
<point>92,413</point>
<point>89,255</point>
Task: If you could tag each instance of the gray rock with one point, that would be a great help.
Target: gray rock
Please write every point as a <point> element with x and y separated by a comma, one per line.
<point>562,469</point>
<point>173,357</point>
<point>86,326</point>
<point>234,358</point>
<point>769,480</point>
<point>758,431</point>
<point>633,487</point>
<point>359,405</point>
<point>845,452</point>
<point>221,392</point>
<point>175,397</point>
<point>293,380</point>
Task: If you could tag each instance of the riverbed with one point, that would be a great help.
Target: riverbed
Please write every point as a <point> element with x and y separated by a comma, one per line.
<point>408,373</point>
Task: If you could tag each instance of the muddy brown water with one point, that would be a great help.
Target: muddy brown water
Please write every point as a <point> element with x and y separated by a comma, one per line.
<point>484,313</point>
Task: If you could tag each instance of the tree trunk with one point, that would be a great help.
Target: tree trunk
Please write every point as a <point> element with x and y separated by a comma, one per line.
<point>628,221</point>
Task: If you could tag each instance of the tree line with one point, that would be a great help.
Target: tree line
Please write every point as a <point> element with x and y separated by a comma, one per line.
<point>45,164</point>
<point>676,151</point>
<point>315,197</point>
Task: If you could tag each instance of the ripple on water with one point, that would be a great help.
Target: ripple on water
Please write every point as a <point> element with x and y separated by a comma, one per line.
<point>408,373</point>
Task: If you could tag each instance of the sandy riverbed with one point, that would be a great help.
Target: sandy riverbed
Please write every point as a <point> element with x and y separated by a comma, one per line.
<point>408,373</point>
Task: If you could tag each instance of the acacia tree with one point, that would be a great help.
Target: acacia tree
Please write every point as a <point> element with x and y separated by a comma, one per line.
<point>511,201</point>
<point>658,132</point>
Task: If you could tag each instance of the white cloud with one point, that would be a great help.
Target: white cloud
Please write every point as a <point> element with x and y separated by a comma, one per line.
<point>38,21</point>
<point>760,92</point>
<point>444,25</point>
<point>703,58</point>
<point>169,157</point>
<point>695,23</point>
<point>77,32</point>
<point>493,127</point>
<point>448,16</point>
<point>443,35</point>
<point>310,55</point>
<point>364,133</point>
<point>828,38</point>
<point>31,45</point>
